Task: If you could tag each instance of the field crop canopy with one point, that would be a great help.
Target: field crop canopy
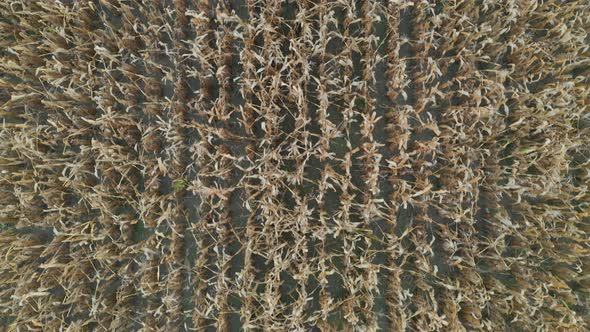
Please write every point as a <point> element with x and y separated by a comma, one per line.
<point>298,165</point>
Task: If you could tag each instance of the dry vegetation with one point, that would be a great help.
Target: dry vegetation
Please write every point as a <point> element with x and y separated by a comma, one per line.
<point>299,165</point>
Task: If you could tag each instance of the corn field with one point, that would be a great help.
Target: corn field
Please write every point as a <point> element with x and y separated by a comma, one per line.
<point>268,165</point>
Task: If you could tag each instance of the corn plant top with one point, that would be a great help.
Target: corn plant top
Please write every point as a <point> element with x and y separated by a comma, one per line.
<point>204,165</point>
